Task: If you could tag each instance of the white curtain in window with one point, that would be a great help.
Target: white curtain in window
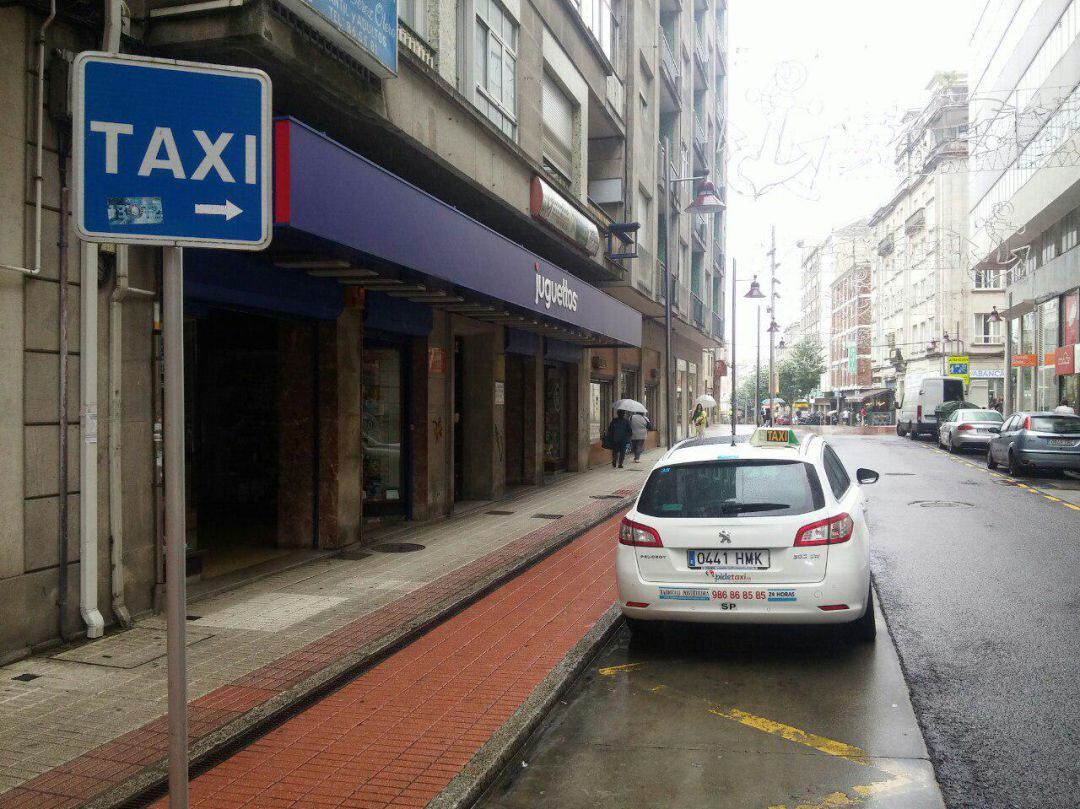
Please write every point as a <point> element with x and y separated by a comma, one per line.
<point>558,112</point>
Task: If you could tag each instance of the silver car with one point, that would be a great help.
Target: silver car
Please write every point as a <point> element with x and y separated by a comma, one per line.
<point>1030,441</point>
<point>964,429</point>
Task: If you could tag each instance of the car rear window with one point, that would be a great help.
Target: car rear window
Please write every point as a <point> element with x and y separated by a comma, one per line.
<point>736,488</point>
<point>979,415</point>
<point>1069,425</point>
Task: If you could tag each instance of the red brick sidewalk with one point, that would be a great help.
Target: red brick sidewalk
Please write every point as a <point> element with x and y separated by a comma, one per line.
<point>104,768</point>
<point>400,732</point>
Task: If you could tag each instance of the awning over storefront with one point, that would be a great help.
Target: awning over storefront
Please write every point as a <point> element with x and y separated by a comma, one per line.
<point>867,395</point>
<point>325,190</point>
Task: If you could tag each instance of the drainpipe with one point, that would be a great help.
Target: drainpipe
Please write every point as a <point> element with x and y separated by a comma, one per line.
<point>121,292</point>
<point>88,433</point>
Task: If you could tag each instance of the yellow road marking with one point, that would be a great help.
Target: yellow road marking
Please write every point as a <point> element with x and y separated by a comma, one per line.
<point>1054,499</point>
<point>608,671</point>
<point>1070,505</point>
<point>829,746</point>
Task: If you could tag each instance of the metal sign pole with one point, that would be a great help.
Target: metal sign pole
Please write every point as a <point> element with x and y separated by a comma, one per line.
<point>175,531</point>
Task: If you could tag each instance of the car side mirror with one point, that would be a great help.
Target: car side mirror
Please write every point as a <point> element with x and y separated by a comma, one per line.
<point>865,476</point>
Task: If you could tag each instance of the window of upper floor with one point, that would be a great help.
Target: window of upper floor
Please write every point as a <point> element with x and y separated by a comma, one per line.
<point>488,61</point>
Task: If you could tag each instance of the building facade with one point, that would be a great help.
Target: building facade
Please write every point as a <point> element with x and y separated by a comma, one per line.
<point>928,302</point>
<point>1025,189</point>
<point>849,346</point>
<point>441,314</point>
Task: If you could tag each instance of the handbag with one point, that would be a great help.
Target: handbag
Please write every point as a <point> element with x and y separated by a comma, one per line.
<point>605,440</point>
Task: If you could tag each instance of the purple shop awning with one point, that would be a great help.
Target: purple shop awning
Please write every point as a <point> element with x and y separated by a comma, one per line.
<point>325,190</point>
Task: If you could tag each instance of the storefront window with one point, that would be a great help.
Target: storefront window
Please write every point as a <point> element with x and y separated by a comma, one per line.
<point>628,384</point>
<point>1070,318</point>
<point>599,409</point>
<point>382,426</point>
<point>1048,316</point>
<point>1026,387</point>
<point>680,399</point>
<point>651,398</point>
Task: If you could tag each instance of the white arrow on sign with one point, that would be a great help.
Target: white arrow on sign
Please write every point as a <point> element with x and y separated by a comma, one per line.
<point>228,210</point>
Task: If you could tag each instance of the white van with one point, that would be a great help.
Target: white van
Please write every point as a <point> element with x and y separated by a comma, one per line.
<point>922,394</point>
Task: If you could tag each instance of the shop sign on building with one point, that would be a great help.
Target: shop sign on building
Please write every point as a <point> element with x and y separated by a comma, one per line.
<point>958,366</point>
<point>171,153</point>
<point>987,373</point>
<point>719,368</point>
<point>365,29</point>
<point>555,211</point>
<point>1065,360</point>
<point>436,361</point>
<point>1025,360</point>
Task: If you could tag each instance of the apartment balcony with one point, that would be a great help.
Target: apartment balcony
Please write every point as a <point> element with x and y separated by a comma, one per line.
<point>670,77</point>
<point>680,302</point>
<point>697,311</point>
<point>720,57</point>
<point>660,284</point>
<point>701,136</point>
<point>717,327</point>
<point>699,228</point>
<point>701,56</point>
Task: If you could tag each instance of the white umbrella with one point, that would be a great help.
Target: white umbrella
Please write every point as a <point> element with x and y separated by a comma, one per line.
<point>705,400</point>
<point>776,399</point>
<point>630,406</point>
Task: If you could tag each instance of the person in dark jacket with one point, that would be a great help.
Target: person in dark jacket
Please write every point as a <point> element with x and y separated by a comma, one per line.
<point>619,433</point>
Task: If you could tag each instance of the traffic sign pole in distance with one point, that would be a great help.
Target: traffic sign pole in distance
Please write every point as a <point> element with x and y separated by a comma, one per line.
<point>172,154</point>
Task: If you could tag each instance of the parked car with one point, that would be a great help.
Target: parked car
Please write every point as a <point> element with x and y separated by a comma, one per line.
<point>1031,441</point>
<point>773,531</point>
<point>922,394</point>
<point>963,429</point>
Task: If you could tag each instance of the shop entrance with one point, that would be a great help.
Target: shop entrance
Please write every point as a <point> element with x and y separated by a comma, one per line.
<point>458,421</point>
<point>385,438</point>
<point>556,424</point>
<point>233,437</point>
<point>517,423</point>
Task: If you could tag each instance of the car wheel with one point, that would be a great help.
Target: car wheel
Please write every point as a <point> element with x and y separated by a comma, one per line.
<point>900,431</point>
<point>913,434</point>
<point>864,630</point>
<point>950,446</point>
<point>1014,466</point>
<point>990,462</point>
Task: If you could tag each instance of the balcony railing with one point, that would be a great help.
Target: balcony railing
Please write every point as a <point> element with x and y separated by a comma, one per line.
<point>697,307</point>
<point>660,285</point>
<point>701,232</point>
<point>701,134</point>
<point>667,57</point>
<point>701,51</point>
<point>717,326</point>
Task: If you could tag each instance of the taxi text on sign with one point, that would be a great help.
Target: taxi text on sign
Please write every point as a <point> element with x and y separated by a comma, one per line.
<point>171,153</point>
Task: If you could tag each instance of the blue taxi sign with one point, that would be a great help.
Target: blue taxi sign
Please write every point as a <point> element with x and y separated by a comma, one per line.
<point>171,153</point>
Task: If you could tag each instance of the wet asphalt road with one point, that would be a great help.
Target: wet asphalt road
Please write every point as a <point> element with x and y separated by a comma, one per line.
<point>983,600</point>
<point>980,583</point>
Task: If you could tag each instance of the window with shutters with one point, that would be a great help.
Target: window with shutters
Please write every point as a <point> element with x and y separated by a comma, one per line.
<point>488,64</point>
<point>558,141</point>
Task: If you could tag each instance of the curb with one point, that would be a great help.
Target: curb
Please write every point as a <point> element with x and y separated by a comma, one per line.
<point>151,782</point>
<point>485,767</point>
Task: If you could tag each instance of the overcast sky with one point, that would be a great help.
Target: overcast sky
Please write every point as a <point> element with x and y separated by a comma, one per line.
<point>816,92</point>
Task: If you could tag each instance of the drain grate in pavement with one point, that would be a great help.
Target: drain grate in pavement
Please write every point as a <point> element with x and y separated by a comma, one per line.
<point>605,497</point>
<point>398,547</point>
<point>25,678</point>
<point>353,556</point>
<point>548,516</point>
<point>193,617</point>
<point>941,504</point>
<point>498,512</point>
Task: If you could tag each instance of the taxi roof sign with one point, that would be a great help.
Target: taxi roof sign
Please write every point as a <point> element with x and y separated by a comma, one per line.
<point>774,437</point>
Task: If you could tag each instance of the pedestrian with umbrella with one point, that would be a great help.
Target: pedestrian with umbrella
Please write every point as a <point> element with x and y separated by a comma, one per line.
<point>619,431</point>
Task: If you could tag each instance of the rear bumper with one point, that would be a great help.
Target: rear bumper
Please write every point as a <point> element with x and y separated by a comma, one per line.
<point>964,440</point>
<point>1049,460</point>
<point>743,603</point>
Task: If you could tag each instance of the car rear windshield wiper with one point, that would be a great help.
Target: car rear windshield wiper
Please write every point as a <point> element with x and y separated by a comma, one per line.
<point>730,507</point>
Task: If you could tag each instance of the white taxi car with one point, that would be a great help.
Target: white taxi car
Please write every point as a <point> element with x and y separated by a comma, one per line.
<point>770,531</point>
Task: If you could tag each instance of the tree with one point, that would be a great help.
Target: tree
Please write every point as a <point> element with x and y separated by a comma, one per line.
<point>744,397</point>
<point>801,370</point>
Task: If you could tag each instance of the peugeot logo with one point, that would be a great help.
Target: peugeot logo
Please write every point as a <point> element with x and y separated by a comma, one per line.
<point>725,538</point>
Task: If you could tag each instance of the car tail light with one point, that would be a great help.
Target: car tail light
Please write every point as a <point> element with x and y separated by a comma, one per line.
<point>831,531</point>
<point>638,604</point>
<point>1027,423</point>
<point>963,428</point>
<point>834,607</point>
<point>918,413</point>
<point>638,535</point>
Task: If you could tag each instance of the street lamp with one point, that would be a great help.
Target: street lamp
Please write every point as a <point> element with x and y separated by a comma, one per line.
<point>707,201</point>
<point>753,292</point>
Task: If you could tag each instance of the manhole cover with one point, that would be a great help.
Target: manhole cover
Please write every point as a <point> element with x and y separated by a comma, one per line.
<point>397,547</point>
<point>941,504</point>
<point>25,678</point>
<point>498,512</point>
<point>605,497</point>
<point>548,516</point>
